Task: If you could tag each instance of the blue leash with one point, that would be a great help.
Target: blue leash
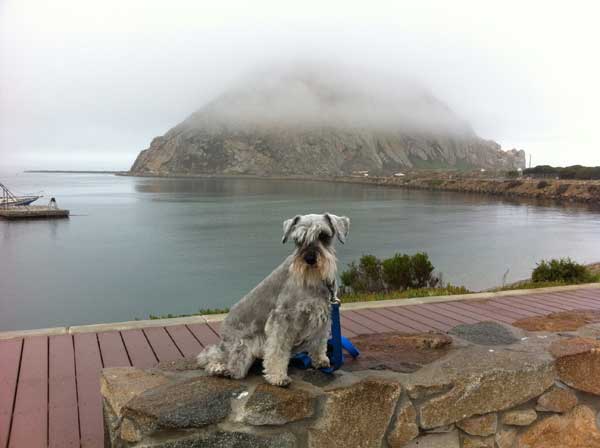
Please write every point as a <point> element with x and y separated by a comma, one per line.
<point>335,345</point>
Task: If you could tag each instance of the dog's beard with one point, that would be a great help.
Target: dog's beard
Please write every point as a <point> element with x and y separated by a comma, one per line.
<point>324,269</point>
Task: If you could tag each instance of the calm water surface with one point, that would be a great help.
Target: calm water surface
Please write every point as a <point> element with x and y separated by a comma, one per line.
<point>136,246</point>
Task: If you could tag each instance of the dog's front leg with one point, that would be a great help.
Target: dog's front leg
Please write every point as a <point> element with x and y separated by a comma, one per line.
<point>317,350</point>
<point>278,349</point>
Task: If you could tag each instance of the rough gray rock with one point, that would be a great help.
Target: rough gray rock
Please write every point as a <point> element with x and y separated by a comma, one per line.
<point>356,412</point>
<point>294,123</point>
<point>485,333</point>
<point>271,405</point>
<point>222,439</point>
<point>447,440</point>
<point>477,442</point>
<point>480,425</point>
<point>522,417</point>
<point>190,403</point>
<point>404,427</point>
<point>476,381</point>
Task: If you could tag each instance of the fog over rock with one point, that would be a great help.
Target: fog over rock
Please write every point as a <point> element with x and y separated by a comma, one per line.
<point>321,119</point>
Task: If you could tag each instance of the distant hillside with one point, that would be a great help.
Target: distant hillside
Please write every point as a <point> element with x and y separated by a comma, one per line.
<point>306,123</point>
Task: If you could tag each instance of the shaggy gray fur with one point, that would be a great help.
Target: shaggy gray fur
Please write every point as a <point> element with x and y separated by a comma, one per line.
<point>288,312</point>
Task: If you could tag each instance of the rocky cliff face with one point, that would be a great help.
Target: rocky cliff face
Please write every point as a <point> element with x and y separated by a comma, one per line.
<point>304,123</point>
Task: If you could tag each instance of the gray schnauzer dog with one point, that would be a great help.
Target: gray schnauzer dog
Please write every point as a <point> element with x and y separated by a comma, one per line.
<point>289,311</point>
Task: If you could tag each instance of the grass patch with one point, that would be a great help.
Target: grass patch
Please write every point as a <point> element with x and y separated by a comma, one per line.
<point>529,284</point>
<point>448,290</point>
<point>200,312</point>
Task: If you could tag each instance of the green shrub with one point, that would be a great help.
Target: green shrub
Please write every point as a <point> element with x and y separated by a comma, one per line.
<point>514,174</point>
<point>366,276</point>
<point>570,172</point>
<point>423,271</point>
<point>447,290</point>
<point>562,188</point>
<point>398,273</point>
<point>562,270</point>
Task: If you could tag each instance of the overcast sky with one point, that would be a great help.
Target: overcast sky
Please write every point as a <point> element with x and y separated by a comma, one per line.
<point>87,84</point>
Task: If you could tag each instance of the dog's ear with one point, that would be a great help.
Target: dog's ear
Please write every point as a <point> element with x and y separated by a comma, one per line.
<point>288,226</point>
<point>340,226</point>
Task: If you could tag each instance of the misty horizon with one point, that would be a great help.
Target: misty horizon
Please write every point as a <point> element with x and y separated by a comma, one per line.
<point>86,87</point>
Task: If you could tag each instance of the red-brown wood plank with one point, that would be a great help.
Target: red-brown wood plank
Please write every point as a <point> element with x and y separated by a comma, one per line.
<point>63,418</point>
<point>88,364</point>
<point>374,326</point>
<point>185,341</point>
<point>138,348</point>
<point>591,296</point>
<point>389,313</point>
<point>533,305</point>
<point>511,308</point>
<point>592,292</point>
<point>216,327</point>
<point>479,317</point>
<point>204,334</point>
<point>547,303</point>
<point>395,325</point>
<point>346,331</point>
<point>10,358</point>
<point>475,308</point>
<point>453,313</point>
<point>578,300</point>
<point>430,324</point>
<point>558,302</point>
<point>30,418</point>
<point>428,312</point>
<point>565,303</point>
<point>498,311</point>
<point>353,326</point>
<point>113,350</point>
<point>163,346</point>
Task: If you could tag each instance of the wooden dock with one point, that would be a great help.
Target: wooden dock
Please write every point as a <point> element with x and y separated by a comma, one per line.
<point>49,383</point>
<point>32,212</point>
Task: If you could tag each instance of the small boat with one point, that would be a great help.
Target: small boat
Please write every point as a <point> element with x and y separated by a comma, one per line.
<point>7,199</point>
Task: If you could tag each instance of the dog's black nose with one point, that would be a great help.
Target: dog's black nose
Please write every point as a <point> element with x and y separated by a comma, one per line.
<point>310,258</point>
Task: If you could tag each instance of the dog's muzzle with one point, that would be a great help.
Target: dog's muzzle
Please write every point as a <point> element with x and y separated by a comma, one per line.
<point>310,258</point>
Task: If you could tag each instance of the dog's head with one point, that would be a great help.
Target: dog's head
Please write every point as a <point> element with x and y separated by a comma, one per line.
<point>313,235</point>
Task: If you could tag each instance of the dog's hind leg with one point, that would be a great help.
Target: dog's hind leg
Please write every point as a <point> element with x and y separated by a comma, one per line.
<point>240,360</point>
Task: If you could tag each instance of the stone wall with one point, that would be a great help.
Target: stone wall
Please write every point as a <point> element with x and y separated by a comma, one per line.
<point>493,386</point>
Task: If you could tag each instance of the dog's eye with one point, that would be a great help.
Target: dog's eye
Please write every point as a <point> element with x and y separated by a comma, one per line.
<point>324,237</point>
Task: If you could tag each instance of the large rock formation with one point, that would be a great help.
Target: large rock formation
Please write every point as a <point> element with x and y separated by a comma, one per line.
<point>303,122</point>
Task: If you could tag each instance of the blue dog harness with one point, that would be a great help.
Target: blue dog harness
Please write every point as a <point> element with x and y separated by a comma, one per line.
<point>336,343</point>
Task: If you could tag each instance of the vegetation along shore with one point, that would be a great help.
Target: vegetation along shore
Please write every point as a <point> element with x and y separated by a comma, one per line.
<point>406,276</point>
<point>510,184</point>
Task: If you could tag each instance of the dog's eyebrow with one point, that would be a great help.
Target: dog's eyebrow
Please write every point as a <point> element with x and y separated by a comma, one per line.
<point>330,223</point>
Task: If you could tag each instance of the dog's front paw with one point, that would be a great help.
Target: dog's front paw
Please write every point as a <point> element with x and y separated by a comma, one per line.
<point>277,380</point>
<point>321,363</point>
<point>216,369</point>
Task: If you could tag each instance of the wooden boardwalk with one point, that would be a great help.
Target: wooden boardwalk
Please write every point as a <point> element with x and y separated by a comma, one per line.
<point>49,385</point>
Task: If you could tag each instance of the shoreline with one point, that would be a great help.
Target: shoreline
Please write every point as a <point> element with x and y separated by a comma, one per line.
<point>73,172</point>
<point>209,318</point>
<point>555,190</point>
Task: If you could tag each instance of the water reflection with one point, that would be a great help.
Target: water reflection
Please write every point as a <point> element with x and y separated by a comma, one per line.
<point>136,246</point>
